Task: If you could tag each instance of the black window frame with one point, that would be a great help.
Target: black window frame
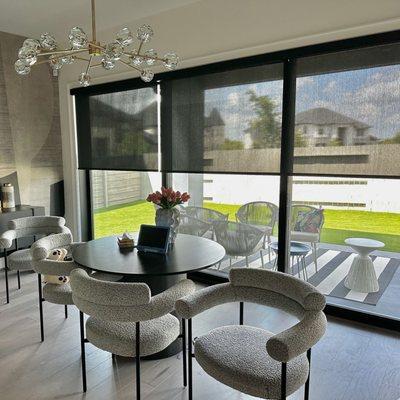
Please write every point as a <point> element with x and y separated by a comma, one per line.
<point>288,58</point>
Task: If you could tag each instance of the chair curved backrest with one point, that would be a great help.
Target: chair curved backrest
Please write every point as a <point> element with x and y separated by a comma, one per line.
<point>258,213</point>
<point>31,226</point>
<point>42,248</point>
<point>296,213</point>
<point>193,226</point>
<point>237,239</point>
<point>204,214</point>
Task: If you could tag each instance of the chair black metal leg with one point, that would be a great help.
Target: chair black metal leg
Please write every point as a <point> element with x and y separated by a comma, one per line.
<point>137,360</point>
<point>190,369</point>
<point>41,307</point>
<point>283,381</point>
<point>83,355</point>
<point>19,279</point>
<point>241,309</point>
<point>307,385</point>
<point>6,276</point>
<point>66,311</point>
<point>184,355</point>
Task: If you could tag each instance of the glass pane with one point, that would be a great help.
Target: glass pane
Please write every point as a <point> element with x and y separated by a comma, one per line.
<point>238,211</point>
<point>123,131</point>
<point>335,220</point>
<point>226,122</point>
<point>119,201</point>
<point>347,113</point>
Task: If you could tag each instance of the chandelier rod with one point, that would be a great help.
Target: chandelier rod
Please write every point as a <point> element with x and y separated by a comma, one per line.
<point>93,21</point>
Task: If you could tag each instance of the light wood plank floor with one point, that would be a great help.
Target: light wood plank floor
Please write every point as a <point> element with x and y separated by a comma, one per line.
<point>352,362</point>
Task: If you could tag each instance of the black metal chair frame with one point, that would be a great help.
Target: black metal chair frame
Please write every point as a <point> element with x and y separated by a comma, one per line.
<point>6,270</point>
<point>137,353</point>
<point>191,355</point>
<point>41,300</point>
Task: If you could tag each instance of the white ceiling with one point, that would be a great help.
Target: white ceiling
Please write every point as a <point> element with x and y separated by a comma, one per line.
<point>32,17</point>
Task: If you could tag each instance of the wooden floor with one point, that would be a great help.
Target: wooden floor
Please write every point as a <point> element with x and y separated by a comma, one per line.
<point>350,363</point>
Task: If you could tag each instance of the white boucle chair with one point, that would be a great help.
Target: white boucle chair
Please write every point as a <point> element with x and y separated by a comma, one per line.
<point>253,360</point>
<point>51,292</point>
<point>21,260</point>
<point>125,320</point>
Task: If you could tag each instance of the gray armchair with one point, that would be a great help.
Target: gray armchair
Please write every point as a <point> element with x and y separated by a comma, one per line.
<point>253,360</point>
<point>126,320</point>
<point>193,226</point>
<point>262,215</point>
<point>51,292</point>
<point>21,260</point>
<point>239,239</point>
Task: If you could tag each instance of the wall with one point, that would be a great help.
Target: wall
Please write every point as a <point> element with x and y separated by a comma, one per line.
<point>208,31</point>
<point>30,138</point>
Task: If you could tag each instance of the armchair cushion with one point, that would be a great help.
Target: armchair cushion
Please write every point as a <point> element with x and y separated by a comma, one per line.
<point>119,337</point>
<point>58,294</point>
<point>236,356</point>
<point>304,237</point>
<point>20,260</point>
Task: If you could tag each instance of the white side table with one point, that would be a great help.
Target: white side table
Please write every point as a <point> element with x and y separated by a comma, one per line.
<point>362,277</point>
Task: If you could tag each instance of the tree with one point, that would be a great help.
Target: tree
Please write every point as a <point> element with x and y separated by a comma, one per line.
<point>232,145</point>
<point>265,128</point>
<point>393,140</point>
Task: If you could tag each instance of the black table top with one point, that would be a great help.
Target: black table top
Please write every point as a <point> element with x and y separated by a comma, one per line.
<point>189,253</point>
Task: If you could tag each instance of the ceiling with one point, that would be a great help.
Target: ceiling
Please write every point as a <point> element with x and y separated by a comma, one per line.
<point>33,17</point>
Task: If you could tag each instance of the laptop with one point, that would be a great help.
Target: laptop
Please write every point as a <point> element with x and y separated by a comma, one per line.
<point>154,239</point>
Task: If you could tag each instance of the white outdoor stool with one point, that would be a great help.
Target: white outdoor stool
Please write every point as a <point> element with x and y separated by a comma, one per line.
<point>362,277</point>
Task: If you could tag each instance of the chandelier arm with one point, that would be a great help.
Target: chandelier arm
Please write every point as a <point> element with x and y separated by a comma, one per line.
<point>140,47</point>
<point>82,59</point>
<point>129,65</point>
<point>93,20</point>
<point>89,63</point>
<point>97,46</point>
<point>144,56</point>
<point>63,52</point>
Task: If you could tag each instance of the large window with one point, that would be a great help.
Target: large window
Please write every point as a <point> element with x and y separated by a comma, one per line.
<point>313,132</point>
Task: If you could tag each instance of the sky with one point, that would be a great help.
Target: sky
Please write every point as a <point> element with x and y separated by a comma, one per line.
<point>368,95</point>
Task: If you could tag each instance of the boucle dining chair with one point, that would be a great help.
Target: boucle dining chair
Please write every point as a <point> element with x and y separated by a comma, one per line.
<point>126,320</point>
<point>239,240</point>
<point>21,260</point>
<point>253,360</point>
<point>42,265</point>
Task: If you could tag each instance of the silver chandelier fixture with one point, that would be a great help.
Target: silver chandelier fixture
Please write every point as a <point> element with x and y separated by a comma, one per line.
<point>45,50</point>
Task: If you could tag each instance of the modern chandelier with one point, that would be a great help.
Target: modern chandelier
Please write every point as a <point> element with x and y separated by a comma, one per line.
<point>46,50</point>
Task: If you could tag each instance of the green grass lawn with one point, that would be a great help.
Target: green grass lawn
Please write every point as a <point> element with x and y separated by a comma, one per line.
<point>339,224</point>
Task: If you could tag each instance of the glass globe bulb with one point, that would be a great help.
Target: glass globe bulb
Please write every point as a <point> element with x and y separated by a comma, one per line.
<point>48,41</point>
<point>113,51</point>
<point>22,68</point>
<point>67,59</point>
<point>107,64</point>
<point>31,44</point>
<point>77,37</point>
<point>171,61</point>
<point>147,75</point>
<point>136,60</point>
<point>145,33</point>
<point>124,37</point>
<point>84,79</point>
<point>27,55</point>
<point>150,53</point>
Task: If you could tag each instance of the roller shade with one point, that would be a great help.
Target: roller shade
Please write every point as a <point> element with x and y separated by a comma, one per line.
<point>347,113</point>
<point>228,122</point>
<point>118,131</point>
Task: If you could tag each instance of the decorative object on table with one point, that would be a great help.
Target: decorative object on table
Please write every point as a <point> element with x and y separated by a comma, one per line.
<point>7,196</point>
<point>46,50</point>
<point>153,239</point>
<point>362,277</point>
<point>166,214</point>
<point>126,241</point>
<point>57,255</point>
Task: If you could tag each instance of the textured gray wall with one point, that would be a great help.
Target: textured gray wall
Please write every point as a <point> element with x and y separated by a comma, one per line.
<point>30,138</point>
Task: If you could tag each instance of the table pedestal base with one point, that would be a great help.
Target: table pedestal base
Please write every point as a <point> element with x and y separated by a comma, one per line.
<point>362,277</point>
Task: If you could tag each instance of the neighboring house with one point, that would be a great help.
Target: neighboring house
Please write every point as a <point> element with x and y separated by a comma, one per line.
<point>323,127</point>
<point>214,131</point>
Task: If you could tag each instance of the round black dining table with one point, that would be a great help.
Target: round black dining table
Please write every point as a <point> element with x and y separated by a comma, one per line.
<point>159,271</point>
